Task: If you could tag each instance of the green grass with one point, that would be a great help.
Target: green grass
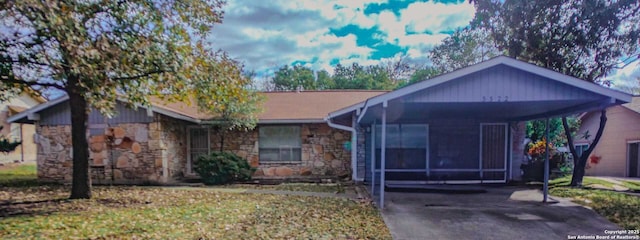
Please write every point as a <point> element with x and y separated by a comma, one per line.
<point>18,175</point>
<point>589,182</point>
<point>619,208</point>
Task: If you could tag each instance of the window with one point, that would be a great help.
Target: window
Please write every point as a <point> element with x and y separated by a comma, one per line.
<point>16,132</point>
<point>280,143</point>
<point>580,148</point>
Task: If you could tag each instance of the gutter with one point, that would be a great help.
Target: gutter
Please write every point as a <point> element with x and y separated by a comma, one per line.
<point>354,145</point>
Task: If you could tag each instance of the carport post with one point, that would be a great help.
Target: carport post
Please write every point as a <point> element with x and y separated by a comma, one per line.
<point>373,158</point>
<point>383,158</point>
<point>545,188</point>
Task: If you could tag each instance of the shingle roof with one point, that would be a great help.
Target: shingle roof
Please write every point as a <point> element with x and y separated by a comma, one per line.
<point>310,104</point>
<point>305,105</point>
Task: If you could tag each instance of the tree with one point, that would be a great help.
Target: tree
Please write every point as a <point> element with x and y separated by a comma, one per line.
<point>239,108</point>
<point>356,76</point>
<point>294,78</point>
<point>100,51</point>
<point>466,46</point>
<point>422,74</point>
<point>580,38</point>
<point>7,146</point>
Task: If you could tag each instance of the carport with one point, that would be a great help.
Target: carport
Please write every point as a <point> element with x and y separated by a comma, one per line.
<point>459,127</point>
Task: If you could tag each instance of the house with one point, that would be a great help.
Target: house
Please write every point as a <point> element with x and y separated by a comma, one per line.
<point>465,126</point>
<point>160,144</point>
<point>24,133</point>
<point>617,151</point>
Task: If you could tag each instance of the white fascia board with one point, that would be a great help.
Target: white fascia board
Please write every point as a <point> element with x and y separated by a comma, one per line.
<point>37,108</point>
<point>174,115</point>
<point>346,110</point>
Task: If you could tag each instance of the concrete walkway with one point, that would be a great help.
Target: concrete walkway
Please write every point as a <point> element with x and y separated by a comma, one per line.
<point>500,213</point>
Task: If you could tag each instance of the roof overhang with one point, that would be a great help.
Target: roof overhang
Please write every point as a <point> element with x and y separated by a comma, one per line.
<point>426,98</point>
<point>25,116</point>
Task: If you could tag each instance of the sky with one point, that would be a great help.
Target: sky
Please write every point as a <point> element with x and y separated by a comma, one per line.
<point>266,35</point>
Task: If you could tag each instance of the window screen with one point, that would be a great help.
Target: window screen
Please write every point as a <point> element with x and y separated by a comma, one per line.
<point>280,143</point>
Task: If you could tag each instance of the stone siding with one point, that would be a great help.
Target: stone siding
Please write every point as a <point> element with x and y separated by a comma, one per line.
<point>323,152</point>
<point>130,153</point>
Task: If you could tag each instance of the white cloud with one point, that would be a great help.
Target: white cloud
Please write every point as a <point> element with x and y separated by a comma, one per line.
<point>627,76</point>
<point>268,34</point>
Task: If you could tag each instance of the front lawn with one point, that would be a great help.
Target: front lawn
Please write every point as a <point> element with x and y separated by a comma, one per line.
<point>43,212</point>
<point>619,208</point>
<point>300,187</point>
<point>18,175</point>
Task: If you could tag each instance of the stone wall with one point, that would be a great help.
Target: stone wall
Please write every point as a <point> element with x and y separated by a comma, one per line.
<point>361,152</point>
<point>323,152</point>
<point>129,153</point>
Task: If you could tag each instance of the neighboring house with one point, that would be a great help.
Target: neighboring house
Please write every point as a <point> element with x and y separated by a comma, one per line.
<point>617,152</point>
<point>18,131</point>
<point>465,126</point>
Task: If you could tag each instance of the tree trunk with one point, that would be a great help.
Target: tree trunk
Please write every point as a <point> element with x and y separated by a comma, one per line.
<point>580,162</point>
<point>81,183</point>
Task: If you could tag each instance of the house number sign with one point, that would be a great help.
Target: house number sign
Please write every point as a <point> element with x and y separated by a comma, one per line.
<point>495,98</point>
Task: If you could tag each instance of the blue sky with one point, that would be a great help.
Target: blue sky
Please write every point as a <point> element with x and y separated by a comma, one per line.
<point>265,35</point>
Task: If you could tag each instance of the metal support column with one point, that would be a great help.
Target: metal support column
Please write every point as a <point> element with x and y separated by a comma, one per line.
<point>373,158</point>
<point>545,188</point>
<point>383,158</point>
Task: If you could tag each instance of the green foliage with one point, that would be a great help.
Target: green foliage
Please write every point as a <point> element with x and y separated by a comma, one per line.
<point>223,168</point>
<point>294,78</point>
<point>100,51</point>
<point>387,75</point>
<point>170,213</point>
<point>584,39</point>
<point>466,46</point>
<point>362,77</point>
<point>18,175</point>
<point>7,146</point>
<point>422,74</point>
<point>536,130</point>
<point>619,208</point>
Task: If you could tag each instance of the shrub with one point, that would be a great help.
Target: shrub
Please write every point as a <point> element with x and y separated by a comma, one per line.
<point>222,168</point>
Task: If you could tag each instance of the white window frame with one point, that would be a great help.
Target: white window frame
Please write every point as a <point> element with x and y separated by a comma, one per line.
<point>581,145</point>
<point>283,147</point>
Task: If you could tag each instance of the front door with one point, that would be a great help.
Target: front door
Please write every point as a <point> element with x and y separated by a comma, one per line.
<point>633,159</point>
<point>493,152</point>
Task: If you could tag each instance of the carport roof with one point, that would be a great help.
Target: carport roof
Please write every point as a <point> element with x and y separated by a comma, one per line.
<point>501,88</point>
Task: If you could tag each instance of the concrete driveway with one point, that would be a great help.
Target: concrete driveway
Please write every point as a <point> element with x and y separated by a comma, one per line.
<point>500,213</point>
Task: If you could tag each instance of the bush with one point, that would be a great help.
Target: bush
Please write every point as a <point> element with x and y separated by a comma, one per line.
<point>222,168</point>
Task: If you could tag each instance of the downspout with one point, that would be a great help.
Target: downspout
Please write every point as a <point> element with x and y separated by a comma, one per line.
<point>354,144</point>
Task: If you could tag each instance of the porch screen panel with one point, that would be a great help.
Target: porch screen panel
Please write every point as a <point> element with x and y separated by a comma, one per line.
<point>406,146</point>
<point>199,144</point>
<point>454,145</point>
<point>494,151</point>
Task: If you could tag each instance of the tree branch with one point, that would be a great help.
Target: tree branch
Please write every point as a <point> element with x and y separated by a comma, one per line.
<point>603,121</point>
<point>140,75</point>
<point>30,84</point>
<point>567,133</point>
